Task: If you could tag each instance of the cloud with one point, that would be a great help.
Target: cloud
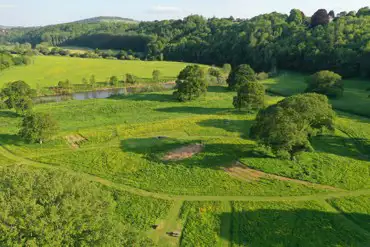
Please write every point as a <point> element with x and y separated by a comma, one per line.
<point>7,6</point>
<point>159,9</point>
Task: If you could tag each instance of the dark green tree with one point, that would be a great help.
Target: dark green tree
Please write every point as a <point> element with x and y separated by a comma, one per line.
<point>241,75</point>
<point>327,83</point>
<point>321,17</point>
<point>250,96</point>
<point>296,16</point>
<point>18,95</point>
<point>287,126</point>
<point>38,127</point>
<point>191,83</point>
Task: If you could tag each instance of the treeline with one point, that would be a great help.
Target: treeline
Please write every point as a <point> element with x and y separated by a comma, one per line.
<point>325,41</point>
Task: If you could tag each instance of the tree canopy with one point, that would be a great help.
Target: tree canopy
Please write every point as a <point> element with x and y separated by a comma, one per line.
<point>326,82</point>
<point>191,83</point>
<point>50,208</point>
<point>241,75</point>
<point>287,126</point>
<point>250,96</point>
<point>38,127</point>
<point>18,95</point>
<point>265,42</point>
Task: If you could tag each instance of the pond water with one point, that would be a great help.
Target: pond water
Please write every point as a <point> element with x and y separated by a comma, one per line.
<point>96,94</point>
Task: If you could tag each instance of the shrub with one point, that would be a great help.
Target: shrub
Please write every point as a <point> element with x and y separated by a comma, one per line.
<point>327,83</point>
<point>262,76</point>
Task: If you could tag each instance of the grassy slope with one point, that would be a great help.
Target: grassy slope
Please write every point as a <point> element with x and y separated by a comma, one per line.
<point>48,70</point>
<point>355,99</point>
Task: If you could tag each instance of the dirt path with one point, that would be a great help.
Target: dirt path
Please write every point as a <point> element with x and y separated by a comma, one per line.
<point>241,171</point>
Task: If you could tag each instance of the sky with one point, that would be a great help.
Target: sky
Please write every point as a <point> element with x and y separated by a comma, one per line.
<point>46,12</point>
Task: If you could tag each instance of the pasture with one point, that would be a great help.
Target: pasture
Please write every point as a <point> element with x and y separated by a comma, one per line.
<point>47,71</point>
<point>355,98</point>
<point>224,192</point>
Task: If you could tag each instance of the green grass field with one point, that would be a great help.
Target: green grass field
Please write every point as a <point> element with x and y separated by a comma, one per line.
<point>355,99</point>
<point>47,71</point>
<point>320,199</point>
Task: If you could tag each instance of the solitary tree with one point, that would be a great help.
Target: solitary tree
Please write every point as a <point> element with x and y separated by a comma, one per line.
<point>113,81</point>
<point>326,82</point>
<point>18,95</point>
<point>130,79</point>
<point>156,75</point>
<point>241,75</point>
<point>191,83</point>
<point>92,81</point>
<point>251,96</point>
<point>38,127</point>
<point>287,126</point>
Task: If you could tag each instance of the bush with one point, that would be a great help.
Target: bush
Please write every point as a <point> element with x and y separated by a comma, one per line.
<point>262,76</point>
<point>156,75</point>
<point>327,83</point>
<point>18,95</point>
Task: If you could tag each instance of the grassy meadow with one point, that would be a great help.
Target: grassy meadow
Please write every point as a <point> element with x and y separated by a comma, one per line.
<point>319,199</point>
<point>355,99</point>
<point>47,71</point>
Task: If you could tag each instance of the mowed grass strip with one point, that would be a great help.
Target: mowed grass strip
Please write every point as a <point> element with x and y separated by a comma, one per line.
<point>47,71</point>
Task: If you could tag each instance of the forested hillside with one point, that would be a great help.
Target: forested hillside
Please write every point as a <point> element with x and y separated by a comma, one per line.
<point>338,42</point>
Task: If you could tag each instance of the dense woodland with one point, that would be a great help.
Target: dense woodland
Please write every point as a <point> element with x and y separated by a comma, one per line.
<point>336,42</point>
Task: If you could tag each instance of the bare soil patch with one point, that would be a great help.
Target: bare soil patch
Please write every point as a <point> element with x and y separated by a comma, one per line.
<point>183,152</point>
<point>241,171</point>
<point>75,140</point>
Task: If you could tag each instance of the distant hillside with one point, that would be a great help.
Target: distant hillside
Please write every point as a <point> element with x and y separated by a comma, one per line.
<point>106,19</point>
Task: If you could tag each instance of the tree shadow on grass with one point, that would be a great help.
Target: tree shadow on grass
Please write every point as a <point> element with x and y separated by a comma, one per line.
<point>356,148</point>
<point>193,110</point>
<point>215,156</point>
<point>6,139</point>
<point>300,227</point>
<point>217,89</point>
<point>238,126</point>
<point>9,114</point>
